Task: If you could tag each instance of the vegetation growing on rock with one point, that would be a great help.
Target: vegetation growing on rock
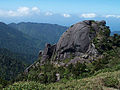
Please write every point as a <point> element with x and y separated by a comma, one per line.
<point>90,66</point>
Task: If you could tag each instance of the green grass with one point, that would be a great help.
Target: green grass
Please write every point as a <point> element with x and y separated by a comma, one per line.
<point>102,81</point>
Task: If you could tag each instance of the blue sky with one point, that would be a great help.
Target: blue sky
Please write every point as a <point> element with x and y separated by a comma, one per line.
<point>70,6</point>
<point>64,12</point>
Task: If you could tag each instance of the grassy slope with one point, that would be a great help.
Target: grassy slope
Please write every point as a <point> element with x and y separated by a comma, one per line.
<point>91,83</point>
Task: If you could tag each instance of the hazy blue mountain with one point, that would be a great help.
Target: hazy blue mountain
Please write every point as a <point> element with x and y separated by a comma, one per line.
<point>26,39</point>
<point>49,33</point>
<point>20,44</point>
<point>17,42</point>
<point>115,32</point>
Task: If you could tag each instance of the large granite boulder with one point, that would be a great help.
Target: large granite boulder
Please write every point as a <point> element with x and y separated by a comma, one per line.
<point>76,38</point>
<point>76,43</point>
<point>80,43</point>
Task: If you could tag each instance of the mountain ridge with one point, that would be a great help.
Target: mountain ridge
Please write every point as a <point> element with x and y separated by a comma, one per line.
<point>85,50</point>
<point>16,41</point>
<point>19,42</point>
<point>115,32</point>
<point>41,31</point>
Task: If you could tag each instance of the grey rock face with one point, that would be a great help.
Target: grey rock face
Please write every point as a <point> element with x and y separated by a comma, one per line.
<point>75,45</point>
<point>58,76</point>
<point>77,38</point>
<point>48,52</point>
<point>40,53</point>
<point>76,41</point>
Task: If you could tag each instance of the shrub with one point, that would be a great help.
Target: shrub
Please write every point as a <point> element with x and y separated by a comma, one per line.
<point>111,82</point>
<point>1,86</point>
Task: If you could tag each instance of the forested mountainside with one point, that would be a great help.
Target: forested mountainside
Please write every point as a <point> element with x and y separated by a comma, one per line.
<point>85,57</point>
<point>28,38</point>
<point>17,50</point>
<point>17,42</point>
<point>46,33</point>
<point>10,64</point>
<point>18,56</point>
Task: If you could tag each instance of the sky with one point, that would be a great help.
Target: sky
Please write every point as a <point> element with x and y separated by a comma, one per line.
<point>63,12</point>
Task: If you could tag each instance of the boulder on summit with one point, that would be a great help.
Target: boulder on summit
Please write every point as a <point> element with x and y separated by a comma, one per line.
<point>77,41</point>
<point>80,43</point>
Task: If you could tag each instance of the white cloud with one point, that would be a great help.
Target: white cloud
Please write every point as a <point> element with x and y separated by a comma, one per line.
<point>26,11</point>
<point>12,13</point>
<point>66,15</point>
<point>88,15</point>
<point>48,13</point>
<point>2,13</point>
<point>36,9</point>
<point>114,16</point>
<point>21,11</point>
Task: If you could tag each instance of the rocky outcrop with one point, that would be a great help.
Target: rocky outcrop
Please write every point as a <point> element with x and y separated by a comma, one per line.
<point>47,53</point>
<point>76,44</point>
<point>77,41</point>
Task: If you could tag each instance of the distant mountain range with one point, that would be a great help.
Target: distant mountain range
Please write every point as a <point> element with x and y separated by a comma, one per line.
<point>20,45</point>
<point>115,32</point>
<point>44,32</point>
<point>28,38</point>
<point>16,41</point>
